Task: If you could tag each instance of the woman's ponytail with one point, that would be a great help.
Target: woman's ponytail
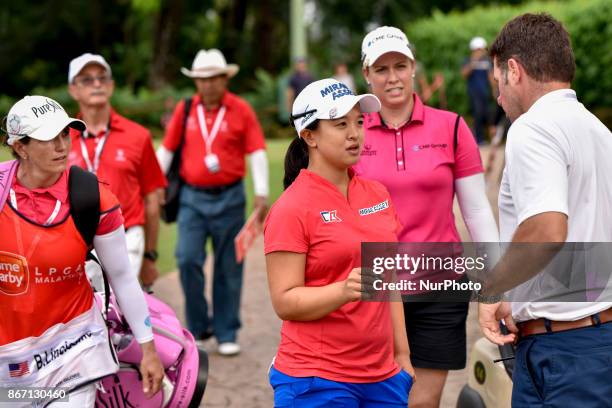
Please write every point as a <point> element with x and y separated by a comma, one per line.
<point>296,159</point>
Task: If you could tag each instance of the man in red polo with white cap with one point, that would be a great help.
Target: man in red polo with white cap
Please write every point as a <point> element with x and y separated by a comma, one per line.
<point>121,153</point>
<point>220,129</point>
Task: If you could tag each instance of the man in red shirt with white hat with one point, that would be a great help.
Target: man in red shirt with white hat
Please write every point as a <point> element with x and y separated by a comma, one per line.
<point>220,129</point>
<point>121,153</point>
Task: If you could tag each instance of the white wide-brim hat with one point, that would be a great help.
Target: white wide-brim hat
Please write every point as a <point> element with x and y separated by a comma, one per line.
<point>328,99</point>
<point>209,64</point>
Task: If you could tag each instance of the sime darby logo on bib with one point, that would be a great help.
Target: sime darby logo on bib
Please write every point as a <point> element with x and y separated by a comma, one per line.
<point>14,274</point>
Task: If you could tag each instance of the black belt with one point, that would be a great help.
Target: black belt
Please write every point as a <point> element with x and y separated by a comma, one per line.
<point>216,190</point>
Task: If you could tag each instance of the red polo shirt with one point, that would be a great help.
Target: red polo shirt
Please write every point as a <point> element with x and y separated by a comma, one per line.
<point>418,164</point>
<point>127,163</point>
<point>239,134</point>
<point>355,342</point>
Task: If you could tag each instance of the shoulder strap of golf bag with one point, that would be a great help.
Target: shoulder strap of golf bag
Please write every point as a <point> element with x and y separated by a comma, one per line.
<point>84,195</point>
<point>455,134</point>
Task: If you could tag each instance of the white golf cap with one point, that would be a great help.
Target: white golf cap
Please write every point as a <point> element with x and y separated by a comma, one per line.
<point>38,117</point>
<point>381,41</point>
<point>77,64</point>
<point>478,43</point>
<point>328,99</point>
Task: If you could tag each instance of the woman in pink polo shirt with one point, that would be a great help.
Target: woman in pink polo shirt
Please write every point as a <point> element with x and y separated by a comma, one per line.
<point>334,347</point>
<point>423,156</point>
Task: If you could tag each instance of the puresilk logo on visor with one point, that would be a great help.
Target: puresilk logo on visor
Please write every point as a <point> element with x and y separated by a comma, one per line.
<point>337,90</point>
<point>49,106</point>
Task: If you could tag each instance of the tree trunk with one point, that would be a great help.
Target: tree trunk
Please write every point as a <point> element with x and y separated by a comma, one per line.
<point>264,29</point>
<point>166,35</point>
<point>232,26</point>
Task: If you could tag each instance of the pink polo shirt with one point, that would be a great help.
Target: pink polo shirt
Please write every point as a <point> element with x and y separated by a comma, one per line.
<point>418,165</point>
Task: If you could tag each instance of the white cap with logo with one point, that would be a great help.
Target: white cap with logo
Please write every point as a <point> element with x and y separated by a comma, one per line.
<point>478,43</point>
<point>77,64</point>
<point>38,117</point>
<point>381,41</point>
<point>328,99</point>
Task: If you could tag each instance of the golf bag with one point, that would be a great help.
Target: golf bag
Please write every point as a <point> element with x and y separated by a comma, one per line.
<point>186,366</point>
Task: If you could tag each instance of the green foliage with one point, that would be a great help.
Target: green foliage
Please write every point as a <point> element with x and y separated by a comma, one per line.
<point>146,6</point>
<point>442,44</point>
<point>264,99</point>
<point>145,106</point>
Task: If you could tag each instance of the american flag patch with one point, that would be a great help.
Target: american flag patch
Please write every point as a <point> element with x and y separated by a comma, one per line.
<point>19,369</point>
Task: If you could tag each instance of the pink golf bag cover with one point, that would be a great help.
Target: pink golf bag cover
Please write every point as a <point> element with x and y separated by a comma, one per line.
<point>186,366</point>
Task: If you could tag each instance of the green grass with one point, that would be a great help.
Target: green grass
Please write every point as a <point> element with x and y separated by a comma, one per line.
<point>5,154</point>
<point>167,235</point>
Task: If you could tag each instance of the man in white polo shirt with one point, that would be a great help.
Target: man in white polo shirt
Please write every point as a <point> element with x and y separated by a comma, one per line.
<point>556,188</point>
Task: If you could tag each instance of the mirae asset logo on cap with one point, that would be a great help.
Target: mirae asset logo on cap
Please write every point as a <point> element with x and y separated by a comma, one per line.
<point>337,90</point>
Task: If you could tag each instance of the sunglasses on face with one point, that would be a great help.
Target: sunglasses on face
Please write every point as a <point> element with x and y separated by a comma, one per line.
<point>91,80</point>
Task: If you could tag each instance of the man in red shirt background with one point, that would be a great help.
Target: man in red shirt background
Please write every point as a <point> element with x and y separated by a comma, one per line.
<point>221,128</point>
<point>121,153</point>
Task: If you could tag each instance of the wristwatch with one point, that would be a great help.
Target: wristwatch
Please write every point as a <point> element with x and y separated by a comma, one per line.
<point>151,255</point>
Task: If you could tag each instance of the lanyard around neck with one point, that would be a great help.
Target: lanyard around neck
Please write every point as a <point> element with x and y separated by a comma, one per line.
<point>93,167</point>
<point>209,138</point>
<point>51,218</point>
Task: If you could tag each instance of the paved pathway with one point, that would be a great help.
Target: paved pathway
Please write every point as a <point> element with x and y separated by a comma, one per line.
<point>242,381</point>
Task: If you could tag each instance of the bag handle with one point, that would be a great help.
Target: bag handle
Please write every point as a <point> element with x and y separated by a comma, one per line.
<point>186,110</point>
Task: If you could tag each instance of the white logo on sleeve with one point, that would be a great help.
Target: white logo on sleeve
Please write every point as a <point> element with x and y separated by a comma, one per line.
<point>375,208</point>
<point>330,216</point>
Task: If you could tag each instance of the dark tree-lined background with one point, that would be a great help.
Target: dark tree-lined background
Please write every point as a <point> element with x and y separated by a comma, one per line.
<point>147,41</point>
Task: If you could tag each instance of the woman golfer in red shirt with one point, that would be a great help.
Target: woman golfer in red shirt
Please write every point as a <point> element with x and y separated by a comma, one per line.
<point>334,346</point>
